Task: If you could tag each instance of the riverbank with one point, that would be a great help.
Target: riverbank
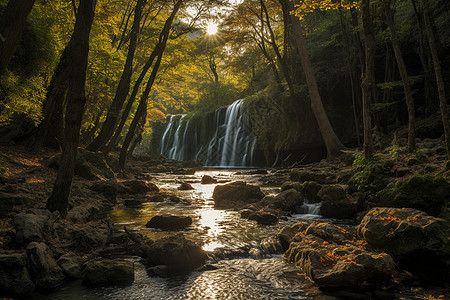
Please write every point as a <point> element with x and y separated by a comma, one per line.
<point>339,186</point>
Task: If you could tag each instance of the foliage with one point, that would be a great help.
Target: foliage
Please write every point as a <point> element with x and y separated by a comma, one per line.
<point>370,174</point>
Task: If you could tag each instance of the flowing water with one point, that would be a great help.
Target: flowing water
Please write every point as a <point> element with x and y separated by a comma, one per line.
<point>225,141</point>
<point>236,278</point>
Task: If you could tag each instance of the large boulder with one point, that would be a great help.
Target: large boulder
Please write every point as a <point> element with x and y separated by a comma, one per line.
<point>169,222</point>
<point>184,186</point>
<point>88,165</point>
<point>179,254</point>
<point>14,277</point>
<point>236,194</point>
<point>43,267</point>
<point>336,266</point>
<point>308,189</point>
<point>207,179</point>
<point>31,226</point>
<point>405,231</point>
<point>280,242</point>
<point>288,200</point>
<point>108,272</point>
<point>70,264</point>
<point>335,204</point>
<point>423,192</point>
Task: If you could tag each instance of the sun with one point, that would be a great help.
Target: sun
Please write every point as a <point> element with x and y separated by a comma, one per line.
<point>211,29</point>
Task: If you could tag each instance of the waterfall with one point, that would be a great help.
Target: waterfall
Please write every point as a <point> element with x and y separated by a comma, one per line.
<point>224,139</point>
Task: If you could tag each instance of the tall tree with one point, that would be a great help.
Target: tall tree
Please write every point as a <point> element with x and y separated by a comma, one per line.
<point>403,74</point>
<point>122,89</point>
<point>76,99</point>
<point>12,24</point>
<point>368,83</point>
<point>438,73</point>
<point>142,108</point>
<point>332,142</point>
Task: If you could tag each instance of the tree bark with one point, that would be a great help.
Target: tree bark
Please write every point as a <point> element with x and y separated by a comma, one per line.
<point>332,142</point>
<point>78,59</point>
<point>404,75</point>
<point>122,89</point>
<point>368,84</point>
<point>439,78</point>
<point>142,108</point>
<point>11,28</point>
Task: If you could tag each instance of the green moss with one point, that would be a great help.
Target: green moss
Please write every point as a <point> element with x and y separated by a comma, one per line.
<point>303,175</point>
<point>423,192</point>
<point>370,177</point>
<point>414,161</point>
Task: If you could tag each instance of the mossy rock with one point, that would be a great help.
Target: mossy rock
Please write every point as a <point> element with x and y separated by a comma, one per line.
<point>371,178</point>
<point>287,185</point>
<point>414,161</point>
<point>424,192</point>
<point>302,175</point>
<point>308,189</point>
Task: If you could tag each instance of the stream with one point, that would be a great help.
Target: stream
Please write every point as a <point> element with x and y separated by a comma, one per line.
<point>244,277</point>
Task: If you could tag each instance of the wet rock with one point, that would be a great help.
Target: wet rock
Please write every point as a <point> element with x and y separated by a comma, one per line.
<point>286,201</point>
<point>169,222</point>
<point>14,277</point>
<point>281,241</point>
<point>108,272</point>
<point>107,189</point>
<point>308,189</point>
<point>255,253</point>
<point>133,202</point>
<point>136,187</point>
<point>184,186</point>
<point>335,203</point>
<point>176,252</point>
<point>258,172</point>
<point>271,245</point>
<point>245,213</point>
<point>70,264</point>
<point>82,214</point>
<point>43,267</point>
<point>333,266</point>
<point>236,194</point>
<point>263,218</point>
<point>156,198</point>
<point>206,179</point>
<point>87,238</point>
<point>329,232</point>
<point>31,226</point>
<point>405,231</point>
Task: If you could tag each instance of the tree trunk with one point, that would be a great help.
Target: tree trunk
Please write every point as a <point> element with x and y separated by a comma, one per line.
<point>78,59</point>
<point>142,108</point>
<point>122,89</point>
<point>332,142</point>
<point>404,75</point>
<point>50,130</point>
<point>11,28</point>
<point>368,84</point>
<point>439,78</point>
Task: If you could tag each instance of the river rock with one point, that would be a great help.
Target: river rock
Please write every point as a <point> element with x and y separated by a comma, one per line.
<point>281,241</point>
<point>108,272</point>
<point>308,189</point>
<point>288,200</point>
<point>184,186</point>
<point>82,214</point>
<point>176,252</point>
<point>87,238</point>
<point>70,264</point>
<point>263,218</point>
<point>14,277</point>
<point>236,194</point>
<point>335,203</point>
<point>137,187</point>
<point>169,222</point>
<point>329,232</point>
<point>206,179</point>
<point>43,267</point>
<point>30,226</point>
<point>405,231</point>
<point>334,266</point>
<point>302,175</point>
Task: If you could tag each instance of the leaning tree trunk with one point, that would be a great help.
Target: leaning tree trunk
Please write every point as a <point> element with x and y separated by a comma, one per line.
<point>404,75</point>
<point>122,89</point>
<point>439,78</point>
<point>332,142</point>
<point>50,130</point>
<point>142,108</point>
<point>11,28</point>
<point>368,84</point>
<point>76,100</point>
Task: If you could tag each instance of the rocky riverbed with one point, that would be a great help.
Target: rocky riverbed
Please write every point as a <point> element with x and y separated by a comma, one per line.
<point>181,229</point>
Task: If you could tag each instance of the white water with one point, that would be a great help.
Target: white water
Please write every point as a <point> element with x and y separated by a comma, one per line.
<point>231,144</point>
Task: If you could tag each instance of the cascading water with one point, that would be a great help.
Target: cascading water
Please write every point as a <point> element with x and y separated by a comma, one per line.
<point>226,141</point>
